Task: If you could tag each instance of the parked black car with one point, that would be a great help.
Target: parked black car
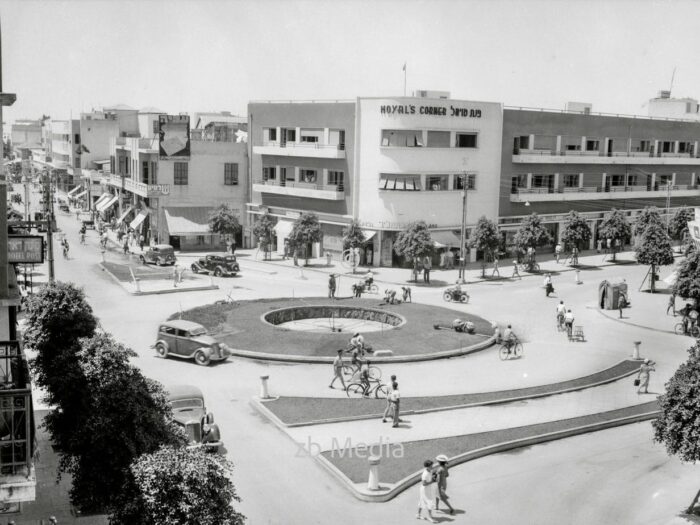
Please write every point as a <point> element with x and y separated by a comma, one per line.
<point>217,264</point>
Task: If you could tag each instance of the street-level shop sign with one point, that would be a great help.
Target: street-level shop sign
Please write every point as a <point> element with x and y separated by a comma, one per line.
<point>25,249</point>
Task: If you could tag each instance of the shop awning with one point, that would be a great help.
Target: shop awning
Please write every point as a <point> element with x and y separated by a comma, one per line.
<point>369,234</point>
<point>102,198</point>
<point>283,228</point>
<point>445,239</point>
<point>79,195</point>
<point>123,215</point>
<point>71,192</point>
<point>188,220</point>
<point>138,219</point>
<point>106,204</point>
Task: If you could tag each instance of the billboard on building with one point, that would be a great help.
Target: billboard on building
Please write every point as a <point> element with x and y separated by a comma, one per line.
<point>25,249</point>
<point>174,137</point>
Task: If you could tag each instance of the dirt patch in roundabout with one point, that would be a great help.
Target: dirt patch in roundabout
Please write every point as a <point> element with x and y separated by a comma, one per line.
<point>313,329</point>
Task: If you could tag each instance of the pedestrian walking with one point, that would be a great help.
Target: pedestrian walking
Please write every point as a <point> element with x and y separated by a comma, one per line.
<point>125,247</point>
<point>285,254</point>
<point>442,475</point>
<point>338,370</point>
<point>175,274</point>
<point>389,406</point>
<point>643,376</point>
<point>495,266</point>
<point>450,259</point>
<point>557,252</point>
<point>599,246</point>
<point>357,288</point>
<point>426,493</point>
<point>142,241</point>
<point>234,245</point>
<point>574,256</point>
<point>621,303</point>
<point>395,399</point>
<point>548,287</point>
<point>672,304</point>
<point>427,266</point>
<point>515,270</point>
<point>331,286</point>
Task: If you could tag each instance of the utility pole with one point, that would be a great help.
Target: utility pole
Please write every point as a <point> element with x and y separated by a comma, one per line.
<point>48,195</point>
<point>668,199</point>
<point>463,235</point>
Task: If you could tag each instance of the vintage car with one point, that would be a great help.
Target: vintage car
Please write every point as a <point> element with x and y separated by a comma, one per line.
<point>160,254</point>
<point>190,412</point>
<point>216,264</point>
<point>189,340</point>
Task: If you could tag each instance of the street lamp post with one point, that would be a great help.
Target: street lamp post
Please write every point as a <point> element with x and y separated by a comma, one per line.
<point>463,233</point>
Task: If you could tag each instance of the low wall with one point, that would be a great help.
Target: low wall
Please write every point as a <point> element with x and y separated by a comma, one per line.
<point>285,315</point>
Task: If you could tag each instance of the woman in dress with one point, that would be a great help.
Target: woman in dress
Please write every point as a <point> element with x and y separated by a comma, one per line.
<point>426,500</point>
<point>442,475</point>
<point>643,376</point>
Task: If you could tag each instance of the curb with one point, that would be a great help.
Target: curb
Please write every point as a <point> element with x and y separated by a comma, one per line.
<point>363,417</point>
<point>602,312</point>
<point>156,292</point>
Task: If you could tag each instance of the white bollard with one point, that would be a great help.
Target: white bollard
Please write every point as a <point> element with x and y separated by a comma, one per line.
<point>138,284</point>
<point>635,352</point>
<point>373,481</point>
<point>264,394</point>
<point>578,277</point>
<point>103,255</point>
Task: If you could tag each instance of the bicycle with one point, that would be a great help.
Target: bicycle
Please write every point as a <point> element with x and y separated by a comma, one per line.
<point>560,323</point>
<point>358,389</point>
<point>82,238</point>
<point>511,348</point>
<point>692,331</point>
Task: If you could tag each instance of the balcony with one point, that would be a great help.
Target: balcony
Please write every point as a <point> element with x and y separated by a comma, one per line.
<point>133,144</point>
<point>139,188</point>
<point>305,149</point>
<point>300,189</point>
<point>588,193</point>
<point>546,156</point>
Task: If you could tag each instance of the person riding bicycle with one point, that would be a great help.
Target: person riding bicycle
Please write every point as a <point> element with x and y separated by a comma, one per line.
<point>689,318</point>
<point>508,337</point>
<point>569,321</point>
<point>369,279</point>
<point>364,377</point>
<point>561,311</point>
<point>357,341</point>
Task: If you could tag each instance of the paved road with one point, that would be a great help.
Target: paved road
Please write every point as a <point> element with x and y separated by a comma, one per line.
<point>614,476</point>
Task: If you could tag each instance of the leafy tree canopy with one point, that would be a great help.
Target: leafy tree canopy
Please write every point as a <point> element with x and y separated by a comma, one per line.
<point>224,220</point>
<point>353,236</point>
<point>532,233</point>
<point>648,215</point>
<point>687,283</point>
<point>176,485</point>
<point>615,226</point>
<point>576,231</point>
<point>655,248</point>
<point>263,229</point>
<point>485,236</point>
<point>414,242</point>
<point>679,222</point>
<point>306,229</point>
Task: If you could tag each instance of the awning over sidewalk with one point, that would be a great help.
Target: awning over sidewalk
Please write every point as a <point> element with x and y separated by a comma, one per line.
<point>102,198</point>
<point>283,228</point>
<point>445,239</point>
<point>79,195</point>
<point>188,220</point>
<point>71,192</point>
<point>138,219</point>
<point>108,203</point>
<point>123,215</point>
<point>369,234</point>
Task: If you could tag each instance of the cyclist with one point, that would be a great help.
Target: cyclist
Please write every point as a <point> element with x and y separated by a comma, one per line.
<point>569,321</point>
<point>82,237</point>
<point>65,248</point>
<point>508,337</point>
<point>369,279</point>
<point>357,341</point>
<point>364,377</point>
<point>561,311</point>
<point>357,358</point>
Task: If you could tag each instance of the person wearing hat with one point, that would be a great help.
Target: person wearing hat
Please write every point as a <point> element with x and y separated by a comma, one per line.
<point>643,376</point>
<point>442,474</point>
<point>389,406</point>
<point>331,286</point>
<point>338,370</point>
<point>426,494</point>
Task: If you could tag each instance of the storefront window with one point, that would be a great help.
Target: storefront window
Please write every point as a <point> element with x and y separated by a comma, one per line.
<point>402,138</point>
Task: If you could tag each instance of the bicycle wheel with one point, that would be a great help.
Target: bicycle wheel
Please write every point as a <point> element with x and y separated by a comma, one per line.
<point>695,331</point>
<point>535,267</point>
<point>355,390</point>
<point>381,392</point>
<point>348,371</point>
<point>375,373</point>
<point>374,288</point>
<point>518,350</point>
<point>679,329</point>
<point>503,352</point>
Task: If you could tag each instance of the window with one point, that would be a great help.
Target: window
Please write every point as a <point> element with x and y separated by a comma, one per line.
<point>632,180</point>
<point>77,139</point>
<point>111,164</point>
<point>685,147</point>
<point>156,127</point>
<point>662,181</point>
<point>336,178</point>
<point>269,173</point>
<point>230,174</point>
<point>308,176</point>
<point>617,180</point>
<point>180,170</point>
<point>438,139</point>
<point>269,134</point>
<point>465,140</point>
<point>401,182</point>
<point>640,145</point>
<point>571,180</point>
<point>311,136</point>
<point>402,138</point>
<point>336,137</point>
<point>523,141</point>
<point>543,181</point>
<point>592,145</point>
<point>458,181</point>
<point>437,182</point>
<point>291,135</point>
<point>667,146</point>
<point>518,182</point>
<point>154,172</point>
<point>144,171</point>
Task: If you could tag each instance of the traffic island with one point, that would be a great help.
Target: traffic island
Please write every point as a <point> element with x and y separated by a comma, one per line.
<point>400,464</point>
<point>311,330</point>
<point>140,279</point>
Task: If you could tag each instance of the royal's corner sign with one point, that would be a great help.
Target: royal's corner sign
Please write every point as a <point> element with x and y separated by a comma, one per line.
<point>439,111</point>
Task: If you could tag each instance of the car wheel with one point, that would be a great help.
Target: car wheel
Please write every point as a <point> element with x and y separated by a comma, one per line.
<point>201,358</point>
<point>194,269</point>
<point>162,350</point>
<point>159,262</point>
<point>217,272</point>
<point>142,259</point>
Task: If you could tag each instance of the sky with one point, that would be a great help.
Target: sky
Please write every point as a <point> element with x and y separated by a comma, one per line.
<point>64,57</point>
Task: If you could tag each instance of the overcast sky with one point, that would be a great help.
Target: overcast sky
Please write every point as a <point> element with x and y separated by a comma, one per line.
<point>60,57</point>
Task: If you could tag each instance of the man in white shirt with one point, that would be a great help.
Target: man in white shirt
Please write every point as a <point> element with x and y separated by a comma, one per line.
<point>561,312</point>
<point>338,369</point>
<point>395,399</point>
<point>569,321</point>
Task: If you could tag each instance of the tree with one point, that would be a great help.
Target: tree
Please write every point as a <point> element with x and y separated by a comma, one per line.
<point>616,228</point>
<point>687,283</point>
<point>576,232</point>
<point>353,237</point>
<point>531,234</point>
<point>224,221</point>
<point>648,215</point>
<point>263,231</point>
<point>176,485</point>
<point>126,415</point>
<point>678,227</point>
<point>654,249</point>
<point>306,230</point>
<point>678,425</point>
<point>414,243</point>
<point>485,238</point>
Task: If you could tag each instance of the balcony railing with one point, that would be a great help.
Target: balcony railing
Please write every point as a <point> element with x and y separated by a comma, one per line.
<point>140,188</point>
<point>598,189</point>
<point>304,185</point>
<point>300,189</point>
<point>597,153</point>
<point>308,145</point>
